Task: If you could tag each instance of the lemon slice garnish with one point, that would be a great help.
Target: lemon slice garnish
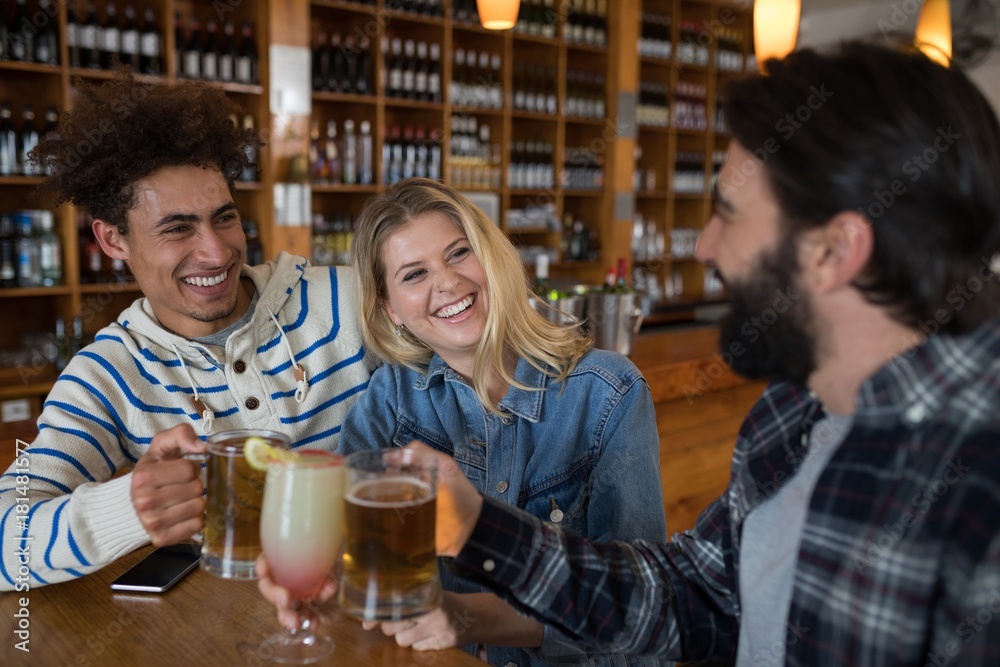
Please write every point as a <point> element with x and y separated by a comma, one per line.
<point>258,453</point>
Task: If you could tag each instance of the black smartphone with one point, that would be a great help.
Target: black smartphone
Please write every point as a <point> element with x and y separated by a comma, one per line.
<point>159,570</point>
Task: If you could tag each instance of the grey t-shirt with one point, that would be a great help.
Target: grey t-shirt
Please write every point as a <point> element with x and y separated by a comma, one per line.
<point>769,551</point>
<point>219,338</point>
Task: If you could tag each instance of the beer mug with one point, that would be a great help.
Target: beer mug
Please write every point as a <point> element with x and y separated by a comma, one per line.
<point>390,565</point>
<point>234,497</point>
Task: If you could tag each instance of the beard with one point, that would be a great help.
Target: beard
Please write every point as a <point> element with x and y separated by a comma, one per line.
<point>770,319</point>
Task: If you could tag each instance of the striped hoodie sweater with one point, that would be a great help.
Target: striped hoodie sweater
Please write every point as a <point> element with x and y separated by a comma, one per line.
<point>63,516</point>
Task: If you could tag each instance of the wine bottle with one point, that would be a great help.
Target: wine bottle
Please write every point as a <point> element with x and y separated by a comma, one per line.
<point>111,38</point>
<point>227,57</point>
<point>542,275</point>
<point>210,52</point>
<point>192,51</point>
<point>149,44</point>
<point>90,34</point>
<point>5,36</point>
<point>366,171</point>
<point>21,41</point>
<point>247,64</point>
<point>46,43</point>
<point>29,139</point>
<point>130,40</point>
<point>8,142</point>
<point>350,154</point>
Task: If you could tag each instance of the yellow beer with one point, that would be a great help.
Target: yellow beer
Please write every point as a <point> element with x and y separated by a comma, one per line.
<point>234,497</point>
<point>390,567</point>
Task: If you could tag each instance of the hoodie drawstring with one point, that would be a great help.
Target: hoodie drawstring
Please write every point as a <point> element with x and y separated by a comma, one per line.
<point>301,378</point>
<point>207,415</point>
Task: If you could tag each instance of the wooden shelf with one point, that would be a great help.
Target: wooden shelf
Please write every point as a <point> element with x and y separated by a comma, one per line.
<point>100,288</point>
<point>249,186</point>
<point>330,188</point>
<point>401,15</point>
<point>477,111</point>
<point>22,180</point>
<point>345,5</point>
<point>581,120</point>
<point>8,392</point>
<point>554,42</point>
<point>34,68</point>
<point>413,104</point>
<point>576,46</point>
<point>19,292</point>
<point>325,96</point>
<point>534,115</point>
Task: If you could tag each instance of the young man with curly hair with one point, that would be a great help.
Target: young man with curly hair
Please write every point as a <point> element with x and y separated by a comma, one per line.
<point>212,345</point>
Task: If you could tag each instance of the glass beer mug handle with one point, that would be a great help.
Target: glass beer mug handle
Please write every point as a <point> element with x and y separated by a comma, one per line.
<point>202,457</point>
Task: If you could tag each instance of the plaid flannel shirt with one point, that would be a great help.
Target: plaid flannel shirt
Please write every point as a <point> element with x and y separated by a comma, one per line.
<point>899,562</point>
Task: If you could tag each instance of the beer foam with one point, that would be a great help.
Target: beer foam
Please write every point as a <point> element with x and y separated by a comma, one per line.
<point>424,487</point>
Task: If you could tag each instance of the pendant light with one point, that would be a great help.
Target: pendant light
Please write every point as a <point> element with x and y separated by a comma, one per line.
<point>498,14</point>
<point>775,28</point>
<point>934,31</point>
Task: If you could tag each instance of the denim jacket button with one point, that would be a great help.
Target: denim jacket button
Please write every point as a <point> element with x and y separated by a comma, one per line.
<point>511,664</point>
<point>507,420</point>
<point>502,486</point>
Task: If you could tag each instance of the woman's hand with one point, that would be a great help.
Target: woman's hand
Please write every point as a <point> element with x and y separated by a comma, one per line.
<point>466,618</point>
<point>280,596</point>
<point>438,629</point>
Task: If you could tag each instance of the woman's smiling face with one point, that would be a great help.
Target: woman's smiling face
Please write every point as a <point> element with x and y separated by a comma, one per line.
<point>436,287</point>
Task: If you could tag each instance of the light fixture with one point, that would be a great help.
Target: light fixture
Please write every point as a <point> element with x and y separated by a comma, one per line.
<point>775,28</point>
<point>934,31</point>
<point>498,14</point>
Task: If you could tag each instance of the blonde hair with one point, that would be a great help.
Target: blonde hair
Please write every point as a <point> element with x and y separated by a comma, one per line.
<point>512,325</point>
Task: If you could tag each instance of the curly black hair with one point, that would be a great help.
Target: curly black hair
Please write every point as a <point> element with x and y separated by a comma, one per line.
<point>121,131</point>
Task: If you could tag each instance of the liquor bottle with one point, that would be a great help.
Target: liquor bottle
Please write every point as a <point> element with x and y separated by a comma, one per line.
<point>72,35</point>
<point>621,278</point>
<point>180,46</point>
<point>8,252</point>
<point>247,62</point>
<point>409,80</point>
<point>344,65</point>
<point>395,82</point>
<point>227,57</point>
<point>320,62</point>
<point>21,41</point>
<point>457,90</point>
<point>420,76</point>
<point>28,141</point>
<point>350,154</point>
<point>90,36</point>
<point>333,153</point>
<point>250,173</point>
<point>130,40</point>
<point>5,33</point>
<point>542,275</point>
<point>418,154</point>
<point>49,252</point>
<point>366,172</point>
<point>28,264</point>
<point>210,52</point>
<point>317,156</point>
<point>335,64</point>
<point>255,250</point>
<point>111,37</point>
<point>62,345</point>
<point>434,74</point>
<point>363,83</point>
<point>76,343</point>
<point>46,44</point>
<point>149,44</point>
<point>8,142</point>
<point>192,50</point>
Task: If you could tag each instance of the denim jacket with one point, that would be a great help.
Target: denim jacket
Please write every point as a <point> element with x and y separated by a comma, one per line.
<point>584,455</point>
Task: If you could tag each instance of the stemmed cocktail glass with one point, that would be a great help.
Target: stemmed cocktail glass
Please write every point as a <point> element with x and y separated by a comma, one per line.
<point>300,532</point>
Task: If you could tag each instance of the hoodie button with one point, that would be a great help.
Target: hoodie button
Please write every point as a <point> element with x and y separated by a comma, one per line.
<point>239,366</point>
<point>252,403</point>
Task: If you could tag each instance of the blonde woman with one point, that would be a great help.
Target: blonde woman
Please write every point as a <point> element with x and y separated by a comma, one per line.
<point>533,415</point>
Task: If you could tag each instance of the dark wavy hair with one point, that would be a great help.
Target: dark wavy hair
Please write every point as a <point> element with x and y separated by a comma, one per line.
<point>910,144</point>
<point>121,131</point>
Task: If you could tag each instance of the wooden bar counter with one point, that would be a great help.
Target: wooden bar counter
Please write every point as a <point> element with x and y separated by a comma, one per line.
<point>201,621</point>
<point>700,404</point>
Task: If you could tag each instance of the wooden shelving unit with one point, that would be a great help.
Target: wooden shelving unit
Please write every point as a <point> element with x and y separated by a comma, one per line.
<point>53,85</point>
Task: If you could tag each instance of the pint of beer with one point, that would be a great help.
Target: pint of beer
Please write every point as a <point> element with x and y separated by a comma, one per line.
<point>234,496</point>
<point>390,567</point>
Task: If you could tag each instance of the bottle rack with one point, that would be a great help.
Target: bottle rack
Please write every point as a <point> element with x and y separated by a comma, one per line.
<point>678,149</point>
<point>42,85</point>
<point>490,140</point>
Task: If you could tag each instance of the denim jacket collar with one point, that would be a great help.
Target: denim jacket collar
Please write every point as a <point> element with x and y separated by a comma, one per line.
<point>523,403</point>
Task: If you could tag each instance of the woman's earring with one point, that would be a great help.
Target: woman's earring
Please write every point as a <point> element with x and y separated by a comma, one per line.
<point>399,330</point>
